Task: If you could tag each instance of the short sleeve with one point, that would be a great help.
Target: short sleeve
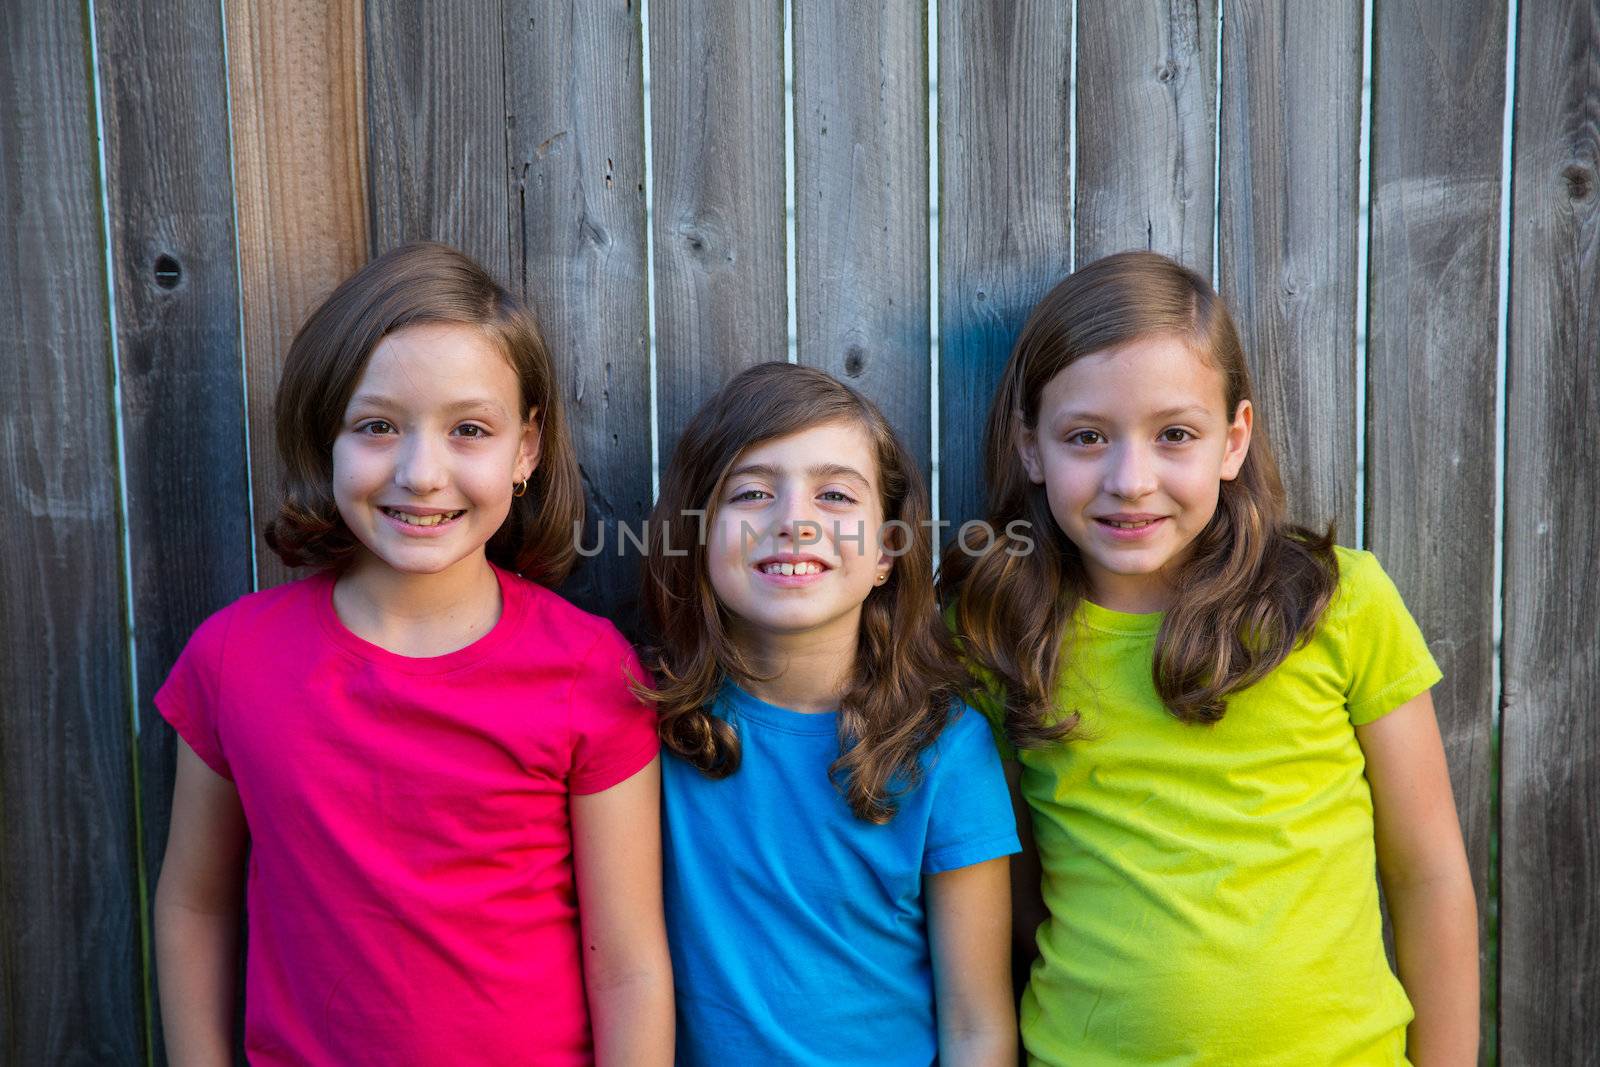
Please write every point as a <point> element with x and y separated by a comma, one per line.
<point>614,732</point>
<point>971,818</point>
<point>1386,658</point>
<point>188,698</point>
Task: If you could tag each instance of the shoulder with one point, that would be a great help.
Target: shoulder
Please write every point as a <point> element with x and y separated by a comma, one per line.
<point>1364,586</point>
<point>259,617</point>
<point>967,739</point>
<point>559,625</point>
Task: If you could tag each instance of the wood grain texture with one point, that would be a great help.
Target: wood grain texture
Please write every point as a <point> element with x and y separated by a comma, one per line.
<point>576,127</point>
<point>170,200</point>
<point>1437,108</point>
<point>295,75</point>
<point>1147,98</point>
<point>1550,844</point>
<point>436,89</point>
<point>1291,123</point>
<point>716,99</point>
<point>861,203</point>
<point>1004,209</point>
<point>70,985</point>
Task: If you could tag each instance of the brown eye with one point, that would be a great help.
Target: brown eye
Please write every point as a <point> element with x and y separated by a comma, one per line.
<point>375,427</point>
<point>1086,437</point>
<point>1176,436</point>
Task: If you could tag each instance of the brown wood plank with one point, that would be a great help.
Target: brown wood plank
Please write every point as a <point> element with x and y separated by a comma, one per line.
<point>861,203</point>
<point>170,197</point>
<point>718,151</point>
<point>436,105</point>
<point>299,149</point>
<point>1550,779</point>
<point>1291,123</point>
<point>1005,208</point>
<point>71,989</point>
<point>576,127</point>
<point>1147,98</point>
<point>1437,108</point>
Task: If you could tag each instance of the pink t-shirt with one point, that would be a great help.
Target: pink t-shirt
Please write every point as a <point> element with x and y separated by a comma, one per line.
<point>411,896</point>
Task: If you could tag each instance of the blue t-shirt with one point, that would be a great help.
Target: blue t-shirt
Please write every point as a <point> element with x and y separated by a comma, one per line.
<point>798,932</point>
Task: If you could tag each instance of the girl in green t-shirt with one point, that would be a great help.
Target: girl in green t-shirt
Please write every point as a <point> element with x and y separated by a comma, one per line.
<point>1219,722</point>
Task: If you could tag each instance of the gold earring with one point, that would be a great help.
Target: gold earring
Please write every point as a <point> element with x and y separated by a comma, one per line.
<point>883,576</point>
<point>520,488</point>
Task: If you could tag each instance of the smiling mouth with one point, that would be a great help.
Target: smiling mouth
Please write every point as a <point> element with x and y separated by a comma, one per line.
<point>423,520</point>
<point>792,568</point>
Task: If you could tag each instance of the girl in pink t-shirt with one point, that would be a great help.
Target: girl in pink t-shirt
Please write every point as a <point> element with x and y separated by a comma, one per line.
<point>446,789</point>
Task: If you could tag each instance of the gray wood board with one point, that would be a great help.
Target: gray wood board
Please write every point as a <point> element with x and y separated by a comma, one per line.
<point>436,107</point>
<point>861,203</point>
<point>1004,208</point>
<point>70,958</point>
<point>1291,122</point>
<point>1147,99</point>
<point>575,129</point>
<point>1437,109</point>
<point>716,97</point>
<point>1550,772</point>
<point>169,191</point>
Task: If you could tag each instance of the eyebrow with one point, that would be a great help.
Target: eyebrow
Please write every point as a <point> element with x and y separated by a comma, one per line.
<point>820,471</point>
<point>375,400</point>
<point>1165,413</point>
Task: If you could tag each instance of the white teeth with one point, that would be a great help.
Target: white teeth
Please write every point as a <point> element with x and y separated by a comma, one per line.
<point>791,568</point>
<point>1141,524</point>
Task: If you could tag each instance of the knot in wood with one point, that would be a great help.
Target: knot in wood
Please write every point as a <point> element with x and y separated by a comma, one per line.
<point>1579,179</point>
<point>168,273</point>
<point>855,361</point>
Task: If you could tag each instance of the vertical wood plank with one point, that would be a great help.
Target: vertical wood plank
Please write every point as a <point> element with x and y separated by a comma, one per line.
<point>436,102</point>
<point>1550,844</point>
<point>70,958</point>
<point>170,197</point>
<point>1291,122</point>
<point>1438,102</point>
<point>1005,208</point>
<point>717,145</point>
<point>299,149</point>
<point>1147,97</point>
<point>861,203</point>
<point>576,127</point>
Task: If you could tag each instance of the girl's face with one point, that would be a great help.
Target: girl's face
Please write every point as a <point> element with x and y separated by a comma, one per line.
<point>1132,446</point>
<point>793,538</point>
<point>432,442</point>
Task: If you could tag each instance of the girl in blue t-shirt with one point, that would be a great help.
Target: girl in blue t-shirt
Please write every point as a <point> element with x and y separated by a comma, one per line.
<point>835,821</point>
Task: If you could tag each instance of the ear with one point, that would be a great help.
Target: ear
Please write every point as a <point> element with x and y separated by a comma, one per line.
<point>528,447</point>
<point>1028,450</point>
<point>1238,442</point>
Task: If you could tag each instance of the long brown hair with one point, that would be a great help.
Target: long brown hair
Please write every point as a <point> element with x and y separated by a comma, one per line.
<point>409,286</point>
<point>1252,586</point>
<point>905,677</point>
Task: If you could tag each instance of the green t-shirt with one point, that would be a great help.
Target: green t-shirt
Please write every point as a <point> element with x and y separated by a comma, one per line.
<point>1212,889</point>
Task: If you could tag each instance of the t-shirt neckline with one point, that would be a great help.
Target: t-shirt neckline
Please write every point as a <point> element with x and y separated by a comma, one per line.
<point>743,705</point>
<point>1119,622</point>
<point>497,636</point>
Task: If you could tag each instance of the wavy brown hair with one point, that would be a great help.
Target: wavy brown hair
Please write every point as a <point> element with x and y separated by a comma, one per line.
<point>412,285</point>
<point>1252,587</point>
<point>906,676</point>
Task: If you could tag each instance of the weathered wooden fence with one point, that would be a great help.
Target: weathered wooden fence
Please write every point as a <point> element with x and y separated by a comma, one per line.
<point>182,180</point>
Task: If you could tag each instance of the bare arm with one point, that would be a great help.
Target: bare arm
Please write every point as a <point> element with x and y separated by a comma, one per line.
<point>1028,910</point>
<point>616,839</point>
<point>969,929</point>
<point>197,914</point>
<point>1426,881</point>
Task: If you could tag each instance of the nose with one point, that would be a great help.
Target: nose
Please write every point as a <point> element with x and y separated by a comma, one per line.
<point>796,521</point>
<point>419,468</point>
<point>1131,472</point>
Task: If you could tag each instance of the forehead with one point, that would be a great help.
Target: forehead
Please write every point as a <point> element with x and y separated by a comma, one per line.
<point>1149,374</point>
<point>440,361</point>
<point>831,443</point>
